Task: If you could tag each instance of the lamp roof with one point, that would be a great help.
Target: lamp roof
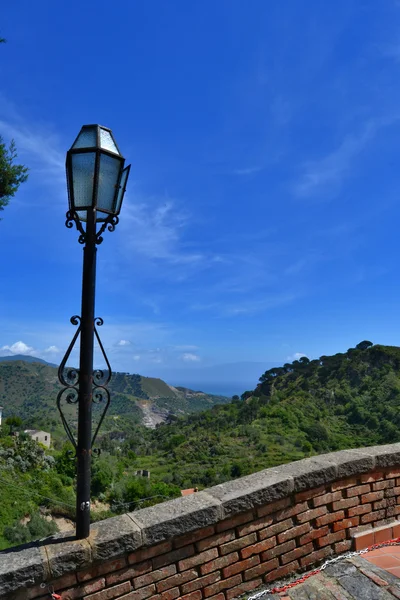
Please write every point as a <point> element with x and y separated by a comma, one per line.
<point>96,137</point>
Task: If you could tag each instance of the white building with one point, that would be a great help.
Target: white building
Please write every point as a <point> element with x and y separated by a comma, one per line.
<point>43,437</point>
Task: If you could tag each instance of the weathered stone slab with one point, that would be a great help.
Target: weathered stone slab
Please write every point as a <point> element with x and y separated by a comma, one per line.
<point>113,537</point>
<point>66,554</point>
<point>22,567</point>
<point>385,456</point>
<point>352,462</point>
<point>245,493</point>
<point>176,517</point>
<point>310,472</point>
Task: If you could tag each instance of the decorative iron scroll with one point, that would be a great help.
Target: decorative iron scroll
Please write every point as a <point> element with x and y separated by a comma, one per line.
<point>110,223</point>
<point>69,379</point>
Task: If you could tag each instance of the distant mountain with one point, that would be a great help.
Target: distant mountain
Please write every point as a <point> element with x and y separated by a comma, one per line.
<point>29,359</point>
<point>29,388</point>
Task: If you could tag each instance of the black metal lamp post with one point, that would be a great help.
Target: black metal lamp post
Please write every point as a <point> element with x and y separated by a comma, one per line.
<point>96,180</point>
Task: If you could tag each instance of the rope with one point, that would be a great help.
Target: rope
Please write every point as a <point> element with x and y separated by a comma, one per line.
<point>288,586</point>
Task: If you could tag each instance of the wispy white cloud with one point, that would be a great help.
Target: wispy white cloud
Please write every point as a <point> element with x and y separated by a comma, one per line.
<point>295,356</point>
<point>36,143</point>
<point>17,348</point>
<point>123,343</point>
<point>190,357</point>
<point>248,170</point>
<point>155,230</point>
<point>326,175</point>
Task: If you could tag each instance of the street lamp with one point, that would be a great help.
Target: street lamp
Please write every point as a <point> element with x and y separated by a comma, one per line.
<point>96,180</point>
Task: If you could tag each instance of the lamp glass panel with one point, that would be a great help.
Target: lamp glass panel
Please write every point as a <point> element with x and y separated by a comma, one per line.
<point>121,191</point>
<point>107,142</point>
<point>83,166</point>
<point>108,181</point>
<point>86,139</point>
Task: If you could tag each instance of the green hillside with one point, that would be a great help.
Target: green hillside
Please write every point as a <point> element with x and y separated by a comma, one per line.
<point>29,390</point>
<point>303,408</point>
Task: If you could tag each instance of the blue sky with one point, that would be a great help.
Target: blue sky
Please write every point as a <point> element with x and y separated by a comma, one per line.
<point>262,213</point>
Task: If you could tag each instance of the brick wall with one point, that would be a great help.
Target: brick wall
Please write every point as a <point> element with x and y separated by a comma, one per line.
<point>236,551</point>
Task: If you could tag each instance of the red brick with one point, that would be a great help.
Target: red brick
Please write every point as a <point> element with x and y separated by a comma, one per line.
<point>273,507</point>
<point>282,571</point>
<point>358,490</point>
<point>375,578</point>
<point>327,499</point>
<point>346,503</point>
<point>216,540</point>
<point>371,477</point>
<point>372,497</point>
<point>330,518</point>
<point>94,586</point>
<point>383,485</point>
<point>63,582</point>
<point>83,590</point>
<point>309,515</point>
<point>343,546</point>
<point>141,594</point>
<point>381,504</point>
<point>222,585</point>
<point>197,559</point>
<point>396,529</point>
<point>261,569</point>
<point>390,493</point>
<point>308,494</point>
<point>313,535</point>
<point>201,582</point>
<point>173,557</point>
<point>257,548</point>
<point>175,580</point>
<point>331,538</point>
<point>343,484</point>
<point>220,596</point>
<point>363,540</point>
<point>108,567</point>
<point>235,521</point>
<point>255,525</point>
<point>278,550</point>
<point>195,536</point>
<point>359,510</point>
<point>145,553</point>
<point>392,472</point>
<point>192,596</point>
<point>219,563</point>
<point>154,576</point>
<point>346,524</point>
<point>129,572</point>
<point>110,593</point>
<point>240,589</point>
<point>373,516</point>
<point>286,513</point>
<point>316,556</point>
<point>237,544</point>
<point>383,534</point>
<point>170,594</point>
<point>275,529</point>
<point>296,553</point>
<point>293,532</point>
<point>390,512</point>
<point>240,566</point>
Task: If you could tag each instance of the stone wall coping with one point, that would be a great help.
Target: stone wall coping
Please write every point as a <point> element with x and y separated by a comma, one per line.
<point>50,558</point>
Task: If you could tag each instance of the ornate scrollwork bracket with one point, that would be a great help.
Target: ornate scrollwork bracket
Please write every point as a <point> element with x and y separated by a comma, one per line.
<point>69,379</point>
<point>110,223</point>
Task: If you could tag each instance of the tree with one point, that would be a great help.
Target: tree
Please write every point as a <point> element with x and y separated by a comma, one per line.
<point>13,423</point>
<point>11,174</point>
<point>364,345</point>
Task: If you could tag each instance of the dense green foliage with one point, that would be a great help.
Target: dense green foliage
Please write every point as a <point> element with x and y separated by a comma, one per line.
<point>297,410</point>
<point>303,408</point>
<point>11,174</point>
